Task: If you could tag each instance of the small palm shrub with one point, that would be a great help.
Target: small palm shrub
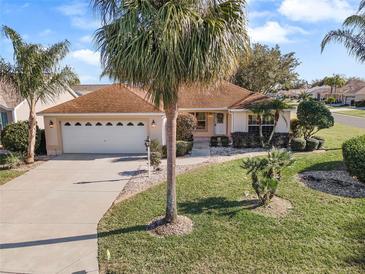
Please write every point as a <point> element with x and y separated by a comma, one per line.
<point>312,144</point>
<point>266,173</point>
<point>353,152</point>
<point>298,144</point>
<point>320,140</point>
<point>185,125</point>
<point>155,160</point>
<point>11,160</point>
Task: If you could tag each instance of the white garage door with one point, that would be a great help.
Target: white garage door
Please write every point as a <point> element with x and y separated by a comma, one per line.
<point>104,136</point>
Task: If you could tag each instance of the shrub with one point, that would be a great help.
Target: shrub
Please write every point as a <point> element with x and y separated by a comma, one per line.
<point>14,137</point>
<point>155,146</point>
<point>164,151</point>
<point>214,141</point>
<point>298,144</point>
<point>320,140</point>
<point>360,103</point>
<point>182,148</point>
<point>266,173</point>
<point>11,160</point>
<point>225,141</point>
<point>155,160</point>
<point>330,100</point>
<point>185,125</point>
<point>252,140</point>
<point>42,148</point>
<point>296,128</point>
<point>313,116</point>
<point>353,151</point>
<point>312,144</point>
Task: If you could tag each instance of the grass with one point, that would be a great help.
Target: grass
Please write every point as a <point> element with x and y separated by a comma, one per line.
<point>353,112</point>
<point>322,234</point>
<point>8,175</point>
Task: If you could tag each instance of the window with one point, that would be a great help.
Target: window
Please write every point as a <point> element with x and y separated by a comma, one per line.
<point>78,124</point>
<point>4,120</point>
<point>109,124</point>
<point>130,124</point>
<point>67,124</point>
<point>119,124</point>
<point>140,124</point>
<point>201,118</point>
<point>88,124</point>
<point>98,124</point>
<point>267,124</point>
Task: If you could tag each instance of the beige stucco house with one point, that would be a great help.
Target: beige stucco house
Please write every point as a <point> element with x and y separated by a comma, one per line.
<point>118,119</point>
<point>13,108</point>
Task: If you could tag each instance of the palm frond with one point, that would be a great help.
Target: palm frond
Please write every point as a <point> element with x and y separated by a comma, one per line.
<point>362,5</point>
<point>356,21</point>
<point>355,43</point>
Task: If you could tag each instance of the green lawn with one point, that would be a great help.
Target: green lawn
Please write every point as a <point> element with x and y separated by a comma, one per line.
<point>354,112</point>
<point>8,175</point>
<point>322,234</point>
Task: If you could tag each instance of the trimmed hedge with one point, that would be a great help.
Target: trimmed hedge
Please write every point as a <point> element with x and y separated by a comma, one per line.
<point>182,148</point>
<point>320,140</point>
<point>353,152</point>
<point>360,103</point>
<point>252,140</point>
<point>298,144</point>
<point>312,144</point>
<point>14,137</point>
<point>185,125</point>
<point>42,148</point>
<point>216,141</point>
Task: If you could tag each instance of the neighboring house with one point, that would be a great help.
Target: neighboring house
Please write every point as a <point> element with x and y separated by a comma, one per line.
<point>320,92</point>
<point>353,91</point>
<point>118,119</point>
<point>13,108</point>
<point>291,93</point>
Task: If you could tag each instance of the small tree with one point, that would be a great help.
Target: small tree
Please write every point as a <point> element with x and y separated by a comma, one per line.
<point>266,173</point>
<point>313,116</point>
<point>185,125</point>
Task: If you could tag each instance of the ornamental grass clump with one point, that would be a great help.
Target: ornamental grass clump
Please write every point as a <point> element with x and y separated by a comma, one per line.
<point>266,173</point>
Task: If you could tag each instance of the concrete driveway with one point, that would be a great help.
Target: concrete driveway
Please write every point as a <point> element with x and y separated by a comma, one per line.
<point>49,216</point>
<point>349,120</point>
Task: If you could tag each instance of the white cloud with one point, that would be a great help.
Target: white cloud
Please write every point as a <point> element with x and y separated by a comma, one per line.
<point>74,9</point>
<point>316,10</point>
<point>87,56</point>
<point>45,32</point>
<point>86,39</point>
<point>273,32</point>
<point>260,14</point>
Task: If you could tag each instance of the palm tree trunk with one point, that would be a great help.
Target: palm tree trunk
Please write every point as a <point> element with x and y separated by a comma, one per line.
<point>260,132</point>
<point>171,209</point>
<point>276,120</point>
<point>31,133</point>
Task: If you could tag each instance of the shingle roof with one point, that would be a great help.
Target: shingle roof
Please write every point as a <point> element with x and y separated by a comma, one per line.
<point>85,89</point>
<point>110,99</point>
<point>9,98</point>
<point>119,98</point>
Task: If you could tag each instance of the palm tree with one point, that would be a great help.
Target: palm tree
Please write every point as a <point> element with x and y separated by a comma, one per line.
<point>277,107</point>
<point>36,76</point>
<point>305,96</point>
<point>162,45</point>
<point>352,35</point>
<point>261,110</point>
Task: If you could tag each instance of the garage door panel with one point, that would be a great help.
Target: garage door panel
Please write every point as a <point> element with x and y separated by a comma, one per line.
<point>104,139</point>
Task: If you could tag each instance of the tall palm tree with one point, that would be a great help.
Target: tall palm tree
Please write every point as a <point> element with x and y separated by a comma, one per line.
<point>162,45</point>
<point>352,34</point>
<point>36,75</point>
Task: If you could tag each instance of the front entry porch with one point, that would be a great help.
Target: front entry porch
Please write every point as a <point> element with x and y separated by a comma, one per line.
<point>212,124</point>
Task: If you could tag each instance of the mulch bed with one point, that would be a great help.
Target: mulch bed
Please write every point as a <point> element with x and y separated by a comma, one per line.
<point>277,208</point>
<point>158,227</point>
<point>338,183</point>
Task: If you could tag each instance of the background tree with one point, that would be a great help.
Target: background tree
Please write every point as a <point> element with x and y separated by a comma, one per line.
<point>305,96</point>
<point>36,75</point>
<point>313,116</point>
<point>352,34</point>
<point>164,45</point>
<point>267,70</point>
<point>335,81</point>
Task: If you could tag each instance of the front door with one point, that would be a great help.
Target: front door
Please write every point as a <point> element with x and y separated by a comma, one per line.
<point>220,124</point>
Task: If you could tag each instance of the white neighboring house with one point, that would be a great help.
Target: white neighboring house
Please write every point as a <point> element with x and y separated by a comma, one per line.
<point>13,108</point>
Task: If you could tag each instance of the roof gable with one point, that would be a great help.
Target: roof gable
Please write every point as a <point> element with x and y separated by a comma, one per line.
<point>115,98</point>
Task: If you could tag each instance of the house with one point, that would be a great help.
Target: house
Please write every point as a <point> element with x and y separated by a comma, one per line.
<point>353,91</point>
<point>320,92</point>
<point>118,119</point>
<point>291,93</point>
<point>14,108</point>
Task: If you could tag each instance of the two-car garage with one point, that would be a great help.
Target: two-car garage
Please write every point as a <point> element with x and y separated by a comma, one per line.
<point>114,136</point>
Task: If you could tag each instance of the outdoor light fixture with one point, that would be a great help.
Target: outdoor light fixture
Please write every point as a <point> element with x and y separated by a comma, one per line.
<point>51,124</point>
<point>153,123</point>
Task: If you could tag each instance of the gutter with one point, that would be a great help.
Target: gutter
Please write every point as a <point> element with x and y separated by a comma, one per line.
<point>102,114</point>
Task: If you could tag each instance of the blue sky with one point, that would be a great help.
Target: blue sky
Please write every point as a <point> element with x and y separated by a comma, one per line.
<point>296,25</point>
